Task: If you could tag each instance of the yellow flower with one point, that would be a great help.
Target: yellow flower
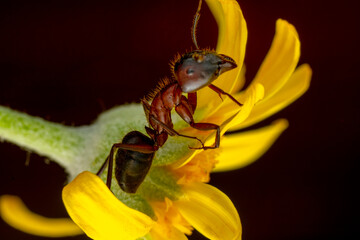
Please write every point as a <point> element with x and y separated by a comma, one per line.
<point>174,197</point>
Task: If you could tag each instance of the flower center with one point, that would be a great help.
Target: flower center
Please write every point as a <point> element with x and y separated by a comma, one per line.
<point>198,169</point>
<point>170,222</point>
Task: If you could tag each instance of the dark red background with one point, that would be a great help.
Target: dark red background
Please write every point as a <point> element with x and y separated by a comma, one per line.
<point>67,61</point>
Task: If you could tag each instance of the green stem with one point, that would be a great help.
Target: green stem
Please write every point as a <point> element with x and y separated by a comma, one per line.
<point>75,148</point>
<point>85,148</point>
<point>60,143</point>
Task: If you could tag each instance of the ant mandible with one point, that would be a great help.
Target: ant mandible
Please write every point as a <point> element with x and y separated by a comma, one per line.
<point>191,72</point>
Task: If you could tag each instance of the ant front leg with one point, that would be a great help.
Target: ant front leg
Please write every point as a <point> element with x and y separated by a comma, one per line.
<point>192,99</point>
<point>184,111</point>
<point>220,91</point>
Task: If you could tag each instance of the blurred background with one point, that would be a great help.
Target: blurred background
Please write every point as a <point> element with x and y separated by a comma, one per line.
<point>67,61</point>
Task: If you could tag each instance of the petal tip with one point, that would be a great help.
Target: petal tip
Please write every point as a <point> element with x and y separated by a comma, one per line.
<point>14,212</point>
<point>282,124</point>
<point>95,209</point>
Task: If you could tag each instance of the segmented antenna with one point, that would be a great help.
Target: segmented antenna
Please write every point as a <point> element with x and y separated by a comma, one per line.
<point>195,23</point>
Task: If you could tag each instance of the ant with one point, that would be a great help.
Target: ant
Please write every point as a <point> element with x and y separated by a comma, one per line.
<point>191,72</point>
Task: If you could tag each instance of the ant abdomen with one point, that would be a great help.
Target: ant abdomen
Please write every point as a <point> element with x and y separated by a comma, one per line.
<point>131,167</point>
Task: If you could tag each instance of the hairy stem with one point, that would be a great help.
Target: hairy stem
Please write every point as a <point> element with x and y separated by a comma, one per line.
<point>60,143</point>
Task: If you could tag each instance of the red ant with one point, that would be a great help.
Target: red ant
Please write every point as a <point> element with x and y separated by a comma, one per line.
<point>191,72</point>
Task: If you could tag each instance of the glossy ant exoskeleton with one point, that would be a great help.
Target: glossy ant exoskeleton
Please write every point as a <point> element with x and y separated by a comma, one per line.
<point>191,72</point>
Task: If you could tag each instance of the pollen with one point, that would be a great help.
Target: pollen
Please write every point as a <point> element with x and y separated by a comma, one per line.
<point>198,169</point>
<point>169,220</point>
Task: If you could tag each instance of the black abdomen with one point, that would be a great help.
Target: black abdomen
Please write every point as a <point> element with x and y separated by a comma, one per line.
<point>131,167</point>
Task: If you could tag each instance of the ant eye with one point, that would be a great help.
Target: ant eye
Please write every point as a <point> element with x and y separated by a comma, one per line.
<point>190,71</point>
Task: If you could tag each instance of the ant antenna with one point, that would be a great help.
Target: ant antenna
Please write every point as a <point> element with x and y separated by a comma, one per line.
<point>195,23</point>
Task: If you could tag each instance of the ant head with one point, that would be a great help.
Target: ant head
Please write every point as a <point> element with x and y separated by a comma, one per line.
<point>197,69</point>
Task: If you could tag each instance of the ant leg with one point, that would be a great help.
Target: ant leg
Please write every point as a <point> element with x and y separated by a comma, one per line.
<point>206,127</point>
<point>220,91</point>
<point>192,99</point>
<point>103,166</point>
<point>172,131</point>
<point>110,159</point>
<point>183,110</point>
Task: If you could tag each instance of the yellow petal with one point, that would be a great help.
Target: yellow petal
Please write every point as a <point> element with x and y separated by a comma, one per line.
<point>253,95</point>
<point>233,116</point>
<point>239,83</point>
<point>281,59</point>
<point>232,37</point>
<point>210,211</point>
<point>157,233</point>
<point>241,149</point>
<point>99,213</point>
<point>297,85</point>
<point>17,215</point>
